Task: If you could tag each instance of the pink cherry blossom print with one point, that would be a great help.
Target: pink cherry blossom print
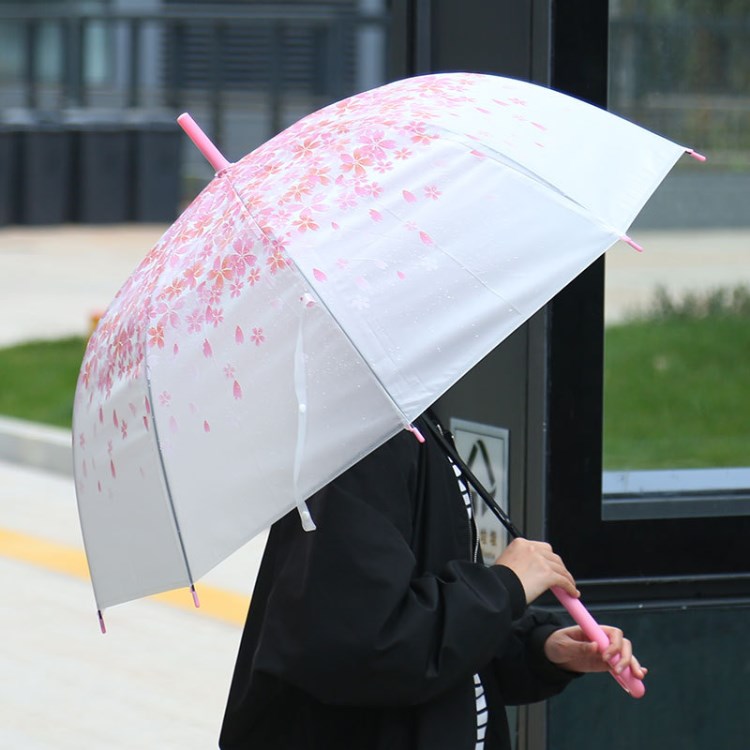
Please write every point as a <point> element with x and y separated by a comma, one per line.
<point>206,426</point>
<point>165,399</point>
<point>409,197</point>
<point>207,350</point>
<point>431,191</point>
<point>115,420</point>
<point>156,336</point>
<point>214,316</point>
<point>306,222</point>
<point>368,190</point>
<point>194,321</point>
<point>358,162</point>
<point>346,201</point>
<point>319,176</point>
<point>305,149</point>
<point>257,337</point>
<point>112,469</point>
<point>230,372</point>
<point>377,144</point>
<point>222,271</point>
<point>124,429</point>
<point>276,262</point>
<point>174,289</point>
<point>319,275</point>
<point>254,276</point>
<point>237,390</point>
<point>193,274</point>
<point>242,257</point>
<point>173,424</point>
<point>376,215</point>
<point>383,167</point>
<point>239,336</point>
<point>401,275</point>
<point>426,239</point>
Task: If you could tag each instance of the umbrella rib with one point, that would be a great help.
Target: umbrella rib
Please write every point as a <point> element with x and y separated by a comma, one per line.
<point>405,420</point>
<point>165,477</point>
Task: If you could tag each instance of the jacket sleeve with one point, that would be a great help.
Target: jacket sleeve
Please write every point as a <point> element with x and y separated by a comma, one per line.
<point>521,670</point>
<point>350,620</point>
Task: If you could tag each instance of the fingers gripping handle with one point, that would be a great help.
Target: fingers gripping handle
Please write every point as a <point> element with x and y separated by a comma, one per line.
<point>593,632</point>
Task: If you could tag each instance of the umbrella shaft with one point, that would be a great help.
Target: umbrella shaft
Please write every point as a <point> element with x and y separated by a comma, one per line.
<point>490,501</point>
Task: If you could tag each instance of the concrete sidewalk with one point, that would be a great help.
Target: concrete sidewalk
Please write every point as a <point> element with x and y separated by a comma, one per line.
<point>159,678</point>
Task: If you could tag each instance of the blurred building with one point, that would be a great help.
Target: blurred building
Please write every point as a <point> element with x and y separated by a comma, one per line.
<point>246,69</point>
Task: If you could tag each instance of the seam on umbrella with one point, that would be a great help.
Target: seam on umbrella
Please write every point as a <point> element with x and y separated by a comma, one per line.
<point>456,137</point>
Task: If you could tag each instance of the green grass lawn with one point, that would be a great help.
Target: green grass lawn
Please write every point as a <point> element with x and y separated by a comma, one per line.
<point>676,385</point>
<point>38,380</point>
<point>676,393</point>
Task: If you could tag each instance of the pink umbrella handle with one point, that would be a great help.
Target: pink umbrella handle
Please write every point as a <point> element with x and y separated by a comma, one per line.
<point>203,142</point>
<point>593,631</point>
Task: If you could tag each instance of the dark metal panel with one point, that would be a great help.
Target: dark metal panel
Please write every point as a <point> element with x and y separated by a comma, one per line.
<point>480,36</point>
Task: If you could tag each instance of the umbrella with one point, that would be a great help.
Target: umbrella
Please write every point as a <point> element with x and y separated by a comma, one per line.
<point>320,294</point>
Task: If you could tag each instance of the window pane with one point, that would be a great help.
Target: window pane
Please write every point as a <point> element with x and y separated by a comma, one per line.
<point>677,345</point>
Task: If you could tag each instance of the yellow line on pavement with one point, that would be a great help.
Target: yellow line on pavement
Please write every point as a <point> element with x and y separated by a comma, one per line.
<point>71,561</point>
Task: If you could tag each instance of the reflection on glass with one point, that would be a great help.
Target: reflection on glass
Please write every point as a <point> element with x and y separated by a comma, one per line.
<point>677,345</point>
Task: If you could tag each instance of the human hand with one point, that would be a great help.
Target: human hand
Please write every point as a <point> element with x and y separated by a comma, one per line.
<point>537,567</point>
<point>570,649</point>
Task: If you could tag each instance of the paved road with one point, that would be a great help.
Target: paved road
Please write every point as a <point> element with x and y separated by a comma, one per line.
<point>159,677</point>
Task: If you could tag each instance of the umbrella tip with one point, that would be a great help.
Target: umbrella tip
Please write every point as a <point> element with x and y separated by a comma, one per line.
<point>632,243</point>
<point>202,142</point>
<point>304,514</point>
<point>102,626</point>
<point>196,600</point>
<point>695,155</point>
<point>417,434</point>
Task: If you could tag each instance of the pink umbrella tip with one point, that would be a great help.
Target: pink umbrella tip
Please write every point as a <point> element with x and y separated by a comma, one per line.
<point>638,248</point>
<point>417,434</point>
<point>695,155</point>
<point>196,600</point>
<point>102,626</point>
<point>202,142</point>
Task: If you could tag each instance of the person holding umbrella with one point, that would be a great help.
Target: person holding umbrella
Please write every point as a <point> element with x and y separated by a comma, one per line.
<point>381,630</point>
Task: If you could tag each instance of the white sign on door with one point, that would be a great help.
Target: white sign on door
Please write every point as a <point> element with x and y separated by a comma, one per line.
<point>484,448</point>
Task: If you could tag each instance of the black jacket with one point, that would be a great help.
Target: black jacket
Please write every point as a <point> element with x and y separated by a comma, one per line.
<point>366,633</point>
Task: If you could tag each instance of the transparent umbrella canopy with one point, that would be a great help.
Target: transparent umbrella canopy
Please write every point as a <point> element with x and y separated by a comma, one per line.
<point>320,294</point>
